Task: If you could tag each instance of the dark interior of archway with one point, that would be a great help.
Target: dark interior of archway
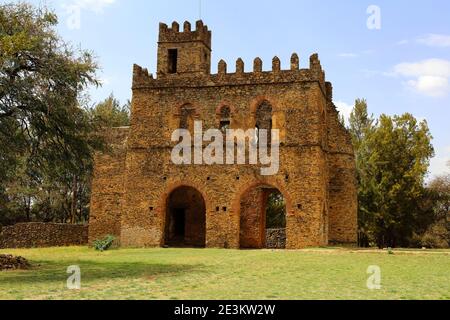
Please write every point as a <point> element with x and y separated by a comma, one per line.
<point>185,219</point>
<point>263,219</point>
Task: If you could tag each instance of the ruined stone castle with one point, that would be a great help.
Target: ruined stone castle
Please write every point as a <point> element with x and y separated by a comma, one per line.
<point>145,200</point>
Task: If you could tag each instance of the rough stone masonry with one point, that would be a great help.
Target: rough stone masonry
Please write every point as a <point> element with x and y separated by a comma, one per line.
<point>145,200</point>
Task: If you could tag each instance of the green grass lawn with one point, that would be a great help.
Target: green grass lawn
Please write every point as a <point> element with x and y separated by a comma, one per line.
<point>227,274</point>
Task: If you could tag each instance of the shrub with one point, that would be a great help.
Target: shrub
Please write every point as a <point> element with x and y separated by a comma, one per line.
<point>104,244</point>
<point>436,237</point>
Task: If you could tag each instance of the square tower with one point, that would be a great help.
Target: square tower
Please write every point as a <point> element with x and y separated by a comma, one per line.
<point>184,53</point>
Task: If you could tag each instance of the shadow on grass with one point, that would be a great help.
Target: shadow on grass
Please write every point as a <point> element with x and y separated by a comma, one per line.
<point>49,271</point>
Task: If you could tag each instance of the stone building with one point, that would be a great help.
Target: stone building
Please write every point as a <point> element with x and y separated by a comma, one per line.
<point>145,200</point>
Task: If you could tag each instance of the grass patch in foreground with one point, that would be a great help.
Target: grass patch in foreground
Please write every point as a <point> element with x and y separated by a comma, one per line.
<point>227,274</point>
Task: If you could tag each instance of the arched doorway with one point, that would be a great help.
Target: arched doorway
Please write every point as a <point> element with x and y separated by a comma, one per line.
<point>262,218</point>
<point>185,218</point>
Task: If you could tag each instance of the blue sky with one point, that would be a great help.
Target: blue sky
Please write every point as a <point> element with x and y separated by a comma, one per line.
<point>402,67</point>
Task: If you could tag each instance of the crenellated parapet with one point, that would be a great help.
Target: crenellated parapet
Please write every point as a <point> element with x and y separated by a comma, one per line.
<point>295,62</point>
<point>257,65</point>
<point>239,76</point>
<point>316,68</point>
<point>222,67</point>
<point>141,76</point>
<point>173,34</point>
<point>276,64</point>
<point>329,91</point>
<point>240,67</point>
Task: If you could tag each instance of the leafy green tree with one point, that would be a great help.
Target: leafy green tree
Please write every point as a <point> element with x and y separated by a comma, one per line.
<point>361,125</point>
<point>41,79</point>
<point>276,211</point>
<point>393,157</point>
<point>400,156</point>
<point>437,235</point>
<point>109,113</point>
<point>47,138</point>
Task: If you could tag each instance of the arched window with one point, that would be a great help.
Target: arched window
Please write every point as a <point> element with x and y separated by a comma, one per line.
<point>225,118</point>
<point>187,113</point>
<point>264,119</point>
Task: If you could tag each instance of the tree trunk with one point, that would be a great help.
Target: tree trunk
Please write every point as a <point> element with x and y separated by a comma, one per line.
<point>28,208</point>
<point>73,210</point>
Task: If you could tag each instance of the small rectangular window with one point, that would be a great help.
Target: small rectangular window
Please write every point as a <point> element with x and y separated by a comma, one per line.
<point>173,59</point>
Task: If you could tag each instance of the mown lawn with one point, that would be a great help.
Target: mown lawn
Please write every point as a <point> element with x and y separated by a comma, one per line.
<point>227,274</point>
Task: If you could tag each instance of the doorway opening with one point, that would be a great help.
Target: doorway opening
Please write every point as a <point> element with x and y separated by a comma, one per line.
<point>185,219</point>
<point>263,219</point>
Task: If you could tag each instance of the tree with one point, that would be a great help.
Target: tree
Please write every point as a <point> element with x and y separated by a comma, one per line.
<point>276,211</point>
<point>400,156</point>
<point>109,113</point>
<point>437,235</point>
<point>47,137</point>
<point>393,157</point>
<point>41,79</point>
<point>441,187</point>
<point>361,125</point>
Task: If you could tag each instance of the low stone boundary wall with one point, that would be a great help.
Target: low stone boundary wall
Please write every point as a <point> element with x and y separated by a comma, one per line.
<point>276,238</point>
<point>36,235</point>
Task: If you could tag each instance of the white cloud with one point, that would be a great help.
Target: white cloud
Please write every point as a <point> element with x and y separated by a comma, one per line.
<point>344,109</point>
<point>435,67</point>
<point>429,85</point>
<point>428,77</point>
<point>96,6</point>
<point>435,40</point>
<point>402,42</point>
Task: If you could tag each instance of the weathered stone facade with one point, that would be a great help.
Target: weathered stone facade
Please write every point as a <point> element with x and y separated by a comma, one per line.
<point>138,191</point>
<point>38,235</point>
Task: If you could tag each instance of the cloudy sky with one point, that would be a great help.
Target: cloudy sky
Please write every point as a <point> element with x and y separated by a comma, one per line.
<point>399,63</point>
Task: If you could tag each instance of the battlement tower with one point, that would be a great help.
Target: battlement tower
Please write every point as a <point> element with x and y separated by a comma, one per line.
<point>186,52</point>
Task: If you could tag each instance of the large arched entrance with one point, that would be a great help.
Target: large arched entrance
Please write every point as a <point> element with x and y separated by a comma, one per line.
<point>263,218</point>
<point>185,218</point>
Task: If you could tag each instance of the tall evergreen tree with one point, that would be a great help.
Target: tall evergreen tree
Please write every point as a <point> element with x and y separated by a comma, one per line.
<point>393,157</point>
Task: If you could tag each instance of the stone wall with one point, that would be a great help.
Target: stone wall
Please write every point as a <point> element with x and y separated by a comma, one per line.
<point>36,235</point>
<point>276,238</point>
<point>107,187</point>
<point>343,207</point>
<point>253,222</point>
